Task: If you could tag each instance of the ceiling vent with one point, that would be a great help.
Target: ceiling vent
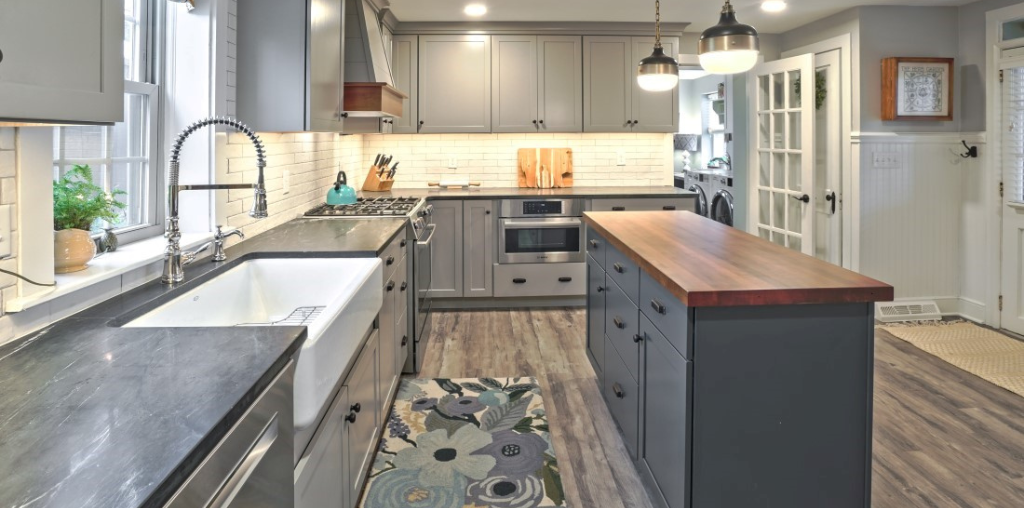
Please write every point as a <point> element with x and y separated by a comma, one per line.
<point>891,312</point>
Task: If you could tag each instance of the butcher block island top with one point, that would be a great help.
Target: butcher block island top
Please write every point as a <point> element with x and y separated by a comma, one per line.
<point>708,264</point>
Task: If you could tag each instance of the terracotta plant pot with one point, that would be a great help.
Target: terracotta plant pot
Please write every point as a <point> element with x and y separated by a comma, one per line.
<point>72,249</point>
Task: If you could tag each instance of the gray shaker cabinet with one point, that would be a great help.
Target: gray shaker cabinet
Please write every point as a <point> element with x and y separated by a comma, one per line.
<point>405,69</point>
<point>536,84</point>
<point>362,388</point>
<point>446,268</point>
<point>479,245</point>
<point>46,77</point>
<point>612,101</point>
<point>301,88</point>
<point>454,83</point>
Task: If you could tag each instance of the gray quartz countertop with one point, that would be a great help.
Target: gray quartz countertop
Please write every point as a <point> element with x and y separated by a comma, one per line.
<point>515,192</point>
<point>93,415</point>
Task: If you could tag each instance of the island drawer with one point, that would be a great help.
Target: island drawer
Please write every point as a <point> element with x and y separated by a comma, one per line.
<point>642,204</point>
<point>667,313</point>
<point>624,272</point>
<point>596,246</point>
<point>531,280</point>
<point>622,324</point>
<point>622,395</point>
<point>392,255</point>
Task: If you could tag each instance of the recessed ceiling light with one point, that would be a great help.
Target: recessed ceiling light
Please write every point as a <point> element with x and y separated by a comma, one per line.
<point>773,5</point>
<point>475,10</point>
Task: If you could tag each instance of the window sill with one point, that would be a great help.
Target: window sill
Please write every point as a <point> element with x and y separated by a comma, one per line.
<point>123,260</point>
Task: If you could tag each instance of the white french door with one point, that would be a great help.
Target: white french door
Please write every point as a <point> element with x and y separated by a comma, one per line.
<point>1012,137</point>
<point>782,100</point>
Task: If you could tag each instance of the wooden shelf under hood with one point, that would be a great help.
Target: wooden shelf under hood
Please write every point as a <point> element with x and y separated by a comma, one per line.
<point>373,100</point>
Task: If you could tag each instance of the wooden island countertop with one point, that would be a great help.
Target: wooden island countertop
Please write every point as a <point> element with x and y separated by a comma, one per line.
<point>708,264</point>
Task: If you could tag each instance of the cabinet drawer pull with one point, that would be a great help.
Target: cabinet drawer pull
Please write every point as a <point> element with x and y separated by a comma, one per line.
<point>619,268</point>
<point>403,243</point>
<point>565,279</point>
<point>638,338</point>
<point>669,207</point>
<point>404,286</point>
<point>351,418</point>
<point>390,261</point>
<point>390,286</point>
<point>594,244</point>
<point>618,391</point>
<point>617,321</point>
<point>657,306</point>
<point>519,281</point>
<point>405,340</point>
<point>618,209</point>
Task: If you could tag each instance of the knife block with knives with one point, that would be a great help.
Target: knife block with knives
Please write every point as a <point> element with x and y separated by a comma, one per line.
<point>381,176</point>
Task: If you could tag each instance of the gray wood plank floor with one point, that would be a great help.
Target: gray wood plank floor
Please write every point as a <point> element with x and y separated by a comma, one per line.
<point>943,437</point>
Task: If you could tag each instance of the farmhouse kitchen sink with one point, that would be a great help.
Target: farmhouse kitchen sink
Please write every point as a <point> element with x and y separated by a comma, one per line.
<point>336,299</point>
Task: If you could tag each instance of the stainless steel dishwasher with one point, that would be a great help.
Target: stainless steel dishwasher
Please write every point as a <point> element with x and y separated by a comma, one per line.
<point>251,467</point>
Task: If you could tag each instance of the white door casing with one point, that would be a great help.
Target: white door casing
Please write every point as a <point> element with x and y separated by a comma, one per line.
<point>781,190</point>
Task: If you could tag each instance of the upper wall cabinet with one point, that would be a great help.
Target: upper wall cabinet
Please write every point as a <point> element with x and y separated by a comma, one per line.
<point>405,68</point>
<point>537,84</point>
<point>454,83</point>
<point>612,101</point>
<point>291,65</point>
<point>61,61</point>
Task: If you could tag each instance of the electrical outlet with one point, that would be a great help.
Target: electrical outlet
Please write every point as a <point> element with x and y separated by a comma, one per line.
<point>620,158</point>
<point>453,162</point>
<point>5,231</point>
<point>287,184</point>
<point>887,160</point>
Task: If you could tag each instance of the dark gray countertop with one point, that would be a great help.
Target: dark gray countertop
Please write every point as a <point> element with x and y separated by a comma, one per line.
<point>92,415</point>
<point>514,192</point>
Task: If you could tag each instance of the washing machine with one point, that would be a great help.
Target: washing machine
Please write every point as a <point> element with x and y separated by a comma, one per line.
<point>699,183</point>
<point>722,207</point>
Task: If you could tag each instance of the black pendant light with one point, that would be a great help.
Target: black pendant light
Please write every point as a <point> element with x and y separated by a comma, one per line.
<point>658,72</point>
<point>729,47</point>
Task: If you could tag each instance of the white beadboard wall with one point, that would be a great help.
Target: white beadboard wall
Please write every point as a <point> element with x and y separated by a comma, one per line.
<point>311,159</point>
<point>491,158</point>
<point>919,223</point>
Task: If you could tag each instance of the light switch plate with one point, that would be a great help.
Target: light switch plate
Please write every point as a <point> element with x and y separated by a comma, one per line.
<point>453,162</point>
<point>620,158</point>
<point>5,231</point>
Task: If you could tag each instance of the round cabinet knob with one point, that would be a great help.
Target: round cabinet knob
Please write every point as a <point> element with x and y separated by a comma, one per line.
<point>390,286</point>
<point>1,56</point>
<point>534,122</point>
<point>357,407</point>
<point>404,286</point>
<point>405,339</point>
<point>403,243</point>
<point>390,260</point>
<point>351,418</point>
<point>638,338</point>
<point>421,122</point>
<point>542,122</point>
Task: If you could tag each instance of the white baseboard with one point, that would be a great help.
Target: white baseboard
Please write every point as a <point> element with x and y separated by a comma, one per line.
<point>973,310</point>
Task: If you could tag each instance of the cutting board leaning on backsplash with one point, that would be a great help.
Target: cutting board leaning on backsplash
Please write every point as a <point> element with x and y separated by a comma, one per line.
<point>545,168</point>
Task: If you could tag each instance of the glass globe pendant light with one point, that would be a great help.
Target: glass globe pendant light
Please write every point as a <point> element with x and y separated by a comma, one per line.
<point>729,47</point>
<point>658,72</point>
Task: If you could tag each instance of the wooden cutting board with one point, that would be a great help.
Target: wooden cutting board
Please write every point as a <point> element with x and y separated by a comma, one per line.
<point>545,168</point>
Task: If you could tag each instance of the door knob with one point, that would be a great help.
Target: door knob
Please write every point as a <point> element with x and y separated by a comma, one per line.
<point>805,198</point>
<point>831,198</point>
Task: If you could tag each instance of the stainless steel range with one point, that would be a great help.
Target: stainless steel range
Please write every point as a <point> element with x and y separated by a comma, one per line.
<point>421,230</point>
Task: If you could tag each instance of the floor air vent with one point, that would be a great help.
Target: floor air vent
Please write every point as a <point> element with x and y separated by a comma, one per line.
<point>890,312</point>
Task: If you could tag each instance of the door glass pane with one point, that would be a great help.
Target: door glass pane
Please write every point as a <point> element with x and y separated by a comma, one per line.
<point>795,215</point>
<point>794,85</point>
<point>765,169</point>
<point>778,91</point>
<point>794,131</point>
<point>779,170</point>
<point>796,243</point>
<point>764,200</point>
<point>763,130</point>
<point>764,233</point>
<point>795,172</point>
<point>779,238</point>
<point>763,86</point>
<point>779,209</point>
<point>779,132</point>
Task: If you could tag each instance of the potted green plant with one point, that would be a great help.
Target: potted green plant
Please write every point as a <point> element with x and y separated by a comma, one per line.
<point>77,204</point>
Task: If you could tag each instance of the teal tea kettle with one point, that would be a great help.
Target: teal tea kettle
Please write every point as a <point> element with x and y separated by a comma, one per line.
<point>341,193</point>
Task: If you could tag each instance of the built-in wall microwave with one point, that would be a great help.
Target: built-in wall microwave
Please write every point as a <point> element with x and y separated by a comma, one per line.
<point>541,231</point>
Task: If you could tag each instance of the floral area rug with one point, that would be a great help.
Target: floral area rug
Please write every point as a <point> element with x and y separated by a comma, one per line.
<point>466,443</point>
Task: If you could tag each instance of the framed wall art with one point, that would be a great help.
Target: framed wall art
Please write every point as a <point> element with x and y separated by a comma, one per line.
<point>917,89</point>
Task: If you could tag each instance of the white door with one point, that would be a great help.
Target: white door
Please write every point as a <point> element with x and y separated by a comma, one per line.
<point>828,159</point>
<point>1013,199</point>
<point>782,149</point>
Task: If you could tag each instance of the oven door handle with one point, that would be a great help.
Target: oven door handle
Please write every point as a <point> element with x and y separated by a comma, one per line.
<point>430,237</point>
<point>517,224</point>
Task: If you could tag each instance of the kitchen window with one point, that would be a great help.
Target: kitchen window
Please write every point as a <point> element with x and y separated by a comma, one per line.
<point>124,156</point>
<point>713,132</point>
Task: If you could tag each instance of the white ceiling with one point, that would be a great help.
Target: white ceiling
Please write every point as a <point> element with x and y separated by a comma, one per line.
<point>700,13</point>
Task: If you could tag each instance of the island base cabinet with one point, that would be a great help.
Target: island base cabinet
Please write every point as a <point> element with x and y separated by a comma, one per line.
<point>782,399</point>
<point>622,394</point>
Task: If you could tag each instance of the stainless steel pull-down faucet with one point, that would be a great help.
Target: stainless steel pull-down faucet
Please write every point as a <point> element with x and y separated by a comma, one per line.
<point>174,258</point>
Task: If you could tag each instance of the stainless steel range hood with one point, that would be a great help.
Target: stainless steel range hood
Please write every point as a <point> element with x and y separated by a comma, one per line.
<point>369,85</point>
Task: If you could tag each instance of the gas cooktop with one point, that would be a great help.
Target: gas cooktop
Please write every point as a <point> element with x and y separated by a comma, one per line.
<point>368,207</point>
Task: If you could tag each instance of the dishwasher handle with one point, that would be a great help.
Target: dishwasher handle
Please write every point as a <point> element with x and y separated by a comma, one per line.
<point>238,478</point>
